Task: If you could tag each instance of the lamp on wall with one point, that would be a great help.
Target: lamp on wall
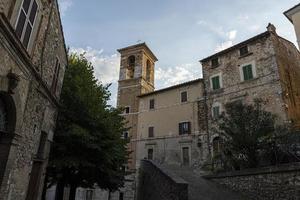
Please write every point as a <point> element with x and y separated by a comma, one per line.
<point>13,81</point>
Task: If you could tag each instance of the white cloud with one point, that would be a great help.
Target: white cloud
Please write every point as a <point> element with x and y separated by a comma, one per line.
<point>243,18</point>
<point>223,46</point>
<point>106,66</point>
<point>64,5</point>
<point>178,74</point>
<point>232,34</point>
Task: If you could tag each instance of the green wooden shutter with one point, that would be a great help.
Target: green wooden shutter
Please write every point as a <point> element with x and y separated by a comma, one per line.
<point>216,82</point>
<point>247,71</point>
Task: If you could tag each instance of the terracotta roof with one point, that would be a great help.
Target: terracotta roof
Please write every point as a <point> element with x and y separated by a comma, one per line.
<point>172,87</point>
<point>136,46</point>
<point>264,34</point>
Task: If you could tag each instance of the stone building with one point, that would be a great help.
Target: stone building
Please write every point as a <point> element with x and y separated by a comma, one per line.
<point>136,78</point>
<point>175,125</point>
<point>168,128</point>
<point>293,14</point>
<point>32,64</point>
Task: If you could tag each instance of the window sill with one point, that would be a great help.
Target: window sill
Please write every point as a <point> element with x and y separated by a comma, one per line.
<point>248,81</point>
<point>248,54</point>
<point>215,66</point>
<point>217,91</point>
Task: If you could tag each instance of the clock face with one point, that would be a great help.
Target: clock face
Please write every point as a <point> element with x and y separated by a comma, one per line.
<point>3,116</point>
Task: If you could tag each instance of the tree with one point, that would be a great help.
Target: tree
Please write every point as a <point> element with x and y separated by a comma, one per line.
<point>246,130</point>
<point>88,149</point>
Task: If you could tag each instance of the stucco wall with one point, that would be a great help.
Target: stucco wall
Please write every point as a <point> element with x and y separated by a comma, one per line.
<point>169,111</point>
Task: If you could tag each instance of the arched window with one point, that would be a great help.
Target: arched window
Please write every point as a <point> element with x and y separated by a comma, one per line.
<point>148,71</point>
<point>3,116</point>
<point>131,66</point>
<point>217,145</point>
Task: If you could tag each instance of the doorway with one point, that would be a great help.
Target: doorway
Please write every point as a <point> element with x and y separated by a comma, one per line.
<point>186,156</point>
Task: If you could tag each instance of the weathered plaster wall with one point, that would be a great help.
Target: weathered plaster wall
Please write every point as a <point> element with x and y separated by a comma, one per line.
<point>169,111</point>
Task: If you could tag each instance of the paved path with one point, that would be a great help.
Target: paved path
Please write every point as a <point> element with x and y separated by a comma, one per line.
<point>200,188</point>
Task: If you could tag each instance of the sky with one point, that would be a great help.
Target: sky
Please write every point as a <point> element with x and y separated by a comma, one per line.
<point>180,33</point>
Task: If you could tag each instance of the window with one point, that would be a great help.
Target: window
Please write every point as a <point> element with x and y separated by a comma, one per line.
<point>216,82</point>
<point>183,97</point>
<point>151,104</point>
<point>89,195</point>
<point>3,116</point>
<point>131,66</point>
<point>121,196</point>
<point>184,128</point>
<point>150,154</point>
<point>215,62</point>
<point>125,135</point>
<point>217,145</point>
<point>127,110</point>
<point>148,71</point>
<point>186,156</point>
<point>216,112</point>
<point>151,132</point>
<point>26,20</point>
<point>247,72</point>
<point>55,76</point>
<point>244,51</point>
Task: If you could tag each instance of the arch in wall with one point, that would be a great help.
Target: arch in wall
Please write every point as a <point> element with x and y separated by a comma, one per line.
<point>148,71</point>
<point>131,66</point>
<point>7,129</point>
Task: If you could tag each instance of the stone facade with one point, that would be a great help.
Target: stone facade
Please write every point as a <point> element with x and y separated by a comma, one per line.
<point>33,61</point>
<point>280,182</point>
<point>264,67</point>
<point>136,78</point>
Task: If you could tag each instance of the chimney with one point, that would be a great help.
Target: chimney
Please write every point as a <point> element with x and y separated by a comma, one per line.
<point>271,28</point>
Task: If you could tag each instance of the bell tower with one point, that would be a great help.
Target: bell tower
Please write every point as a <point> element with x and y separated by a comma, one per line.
<point>136,78</point>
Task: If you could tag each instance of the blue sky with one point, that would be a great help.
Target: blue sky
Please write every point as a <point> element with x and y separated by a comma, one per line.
<point>179,32</point>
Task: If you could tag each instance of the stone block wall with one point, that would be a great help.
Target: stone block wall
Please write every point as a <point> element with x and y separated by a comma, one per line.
<point>270,183</point>
<point>156,184</point>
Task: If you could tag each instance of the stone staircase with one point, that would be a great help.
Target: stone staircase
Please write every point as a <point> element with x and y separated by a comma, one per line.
<point>200,188</point>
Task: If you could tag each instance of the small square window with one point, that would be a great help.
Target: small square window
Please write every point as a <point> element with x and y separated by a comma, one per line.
<point>151,132</point>
<point>184,128</point>
<point>215,62</point>
<point>244,51</point>
<point>125,135</point>
<point>127,110</point>
<point>247,72</point>
<point>151,104</point>
<point>215,82</point>
<point>183,96</point>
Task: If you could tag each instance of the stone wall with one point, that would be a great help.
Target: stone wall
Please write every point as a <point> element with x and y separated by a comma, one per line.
<point>270,183</point>
<point>156,184</point>
<point>27,143</point>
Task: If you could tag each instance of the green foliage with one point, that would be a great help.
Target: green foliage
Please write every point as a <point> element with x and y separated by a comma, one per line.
<point>87,148</point>
<point>246,130</point>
